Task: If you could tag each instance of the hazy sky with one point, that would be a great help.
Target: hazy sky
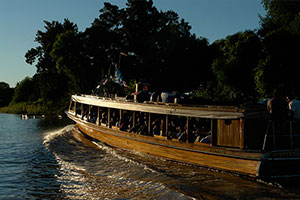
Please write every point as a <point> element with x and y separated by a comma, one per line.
<point>21,19</point>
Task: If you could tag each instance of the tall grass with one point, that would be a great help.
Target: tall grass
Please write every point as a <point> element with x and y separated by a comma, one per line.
<point>30,109</point>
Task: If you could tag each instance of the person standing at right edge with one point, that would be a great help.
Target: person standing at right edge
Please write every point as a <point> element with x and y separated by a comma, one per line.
<point>278,110</point>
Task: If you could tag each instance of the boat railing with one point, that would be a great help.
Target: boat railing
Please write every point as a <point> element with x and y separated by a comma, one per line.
<point>159,103</point>
<point>278,138</point>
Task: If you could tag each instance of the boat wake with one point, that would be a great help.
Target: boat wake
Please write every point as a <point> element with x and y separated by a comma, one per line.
<point>116,154</point>
<point>91,170</point>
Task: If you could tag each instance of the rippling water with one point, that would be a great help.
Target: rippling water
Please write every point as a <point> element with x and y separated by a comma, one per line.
<point>42,161</point>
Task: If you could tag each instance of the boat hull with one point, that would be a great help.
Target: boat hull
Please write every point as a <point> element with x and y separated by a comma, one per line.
<point>206,156</point>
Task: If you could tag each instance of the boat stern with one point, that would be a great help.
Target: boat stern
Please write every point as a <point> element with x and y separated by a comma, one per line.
<point>280,164</point>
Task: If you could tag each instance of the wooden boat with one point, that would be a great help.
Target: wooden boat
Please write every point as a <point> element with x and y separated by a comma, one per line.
<point>239,140</point>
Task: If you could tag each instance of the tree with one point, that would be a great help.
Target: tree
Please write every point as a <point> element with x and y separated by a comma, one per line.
<point>159,45</point>
<point>234,66</point>
<point>159,49</point>
<point>281,15</point>
<point>280,32</point>
<point>52,84</point>
<point>72,60</point>
<point>6,94</point>
<point>278,64</point>
<point>23,90</point>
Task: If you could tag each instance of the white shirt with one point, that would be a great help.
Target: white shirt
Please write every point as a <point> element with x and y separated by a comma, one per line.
<point>294,106</point>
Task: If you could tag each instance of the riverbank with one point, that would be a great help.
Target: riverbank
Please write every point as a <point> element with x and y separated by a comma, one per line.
<point>35,109</point>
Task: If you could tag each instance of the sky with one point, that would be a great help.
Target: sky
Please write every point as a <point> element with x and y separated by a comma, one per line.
<point>21,19</point>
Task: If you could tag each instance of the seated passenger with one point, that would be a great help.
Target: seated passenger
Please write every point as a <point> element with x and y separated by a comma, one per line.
<point>182,137</point>
<point>206,139</point>
<point>93,117</point>
<point>85,115</point>
<point>103,118</point>
<point>171,130</point>
<point>156,127</point>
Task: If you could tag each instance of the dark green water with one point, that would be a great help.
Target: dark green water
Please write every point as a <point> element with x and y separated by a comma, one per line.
<point>42,160</point>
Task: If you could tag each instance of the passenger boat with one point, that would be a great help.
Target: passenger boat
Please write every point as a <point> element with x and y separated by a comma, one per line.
<point>237,140</point>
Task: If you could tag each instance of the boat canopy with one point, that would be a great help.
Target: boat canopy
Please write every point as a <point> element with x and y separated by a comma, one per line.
<point>211,112</point>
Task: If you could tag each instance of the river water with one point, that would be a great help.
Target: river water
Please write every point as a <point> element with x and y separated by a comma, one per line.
<point>42,160</point>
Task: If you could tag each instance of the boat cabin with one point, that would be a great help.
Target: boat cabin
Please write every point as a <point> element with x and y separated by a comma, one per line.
<point>221,126</point>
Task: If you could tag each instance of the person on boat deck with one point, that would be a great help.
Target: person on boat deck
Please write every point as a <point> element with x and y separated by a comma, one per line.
<point>278,109</point>
<point>144,94</point>
<point>155,96</point>
<point>294,107</point>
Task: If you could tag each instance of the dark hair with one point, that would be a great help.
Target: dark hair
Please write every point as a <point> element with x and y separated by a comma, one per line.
<point>291,96</point>
<point>277,93</point>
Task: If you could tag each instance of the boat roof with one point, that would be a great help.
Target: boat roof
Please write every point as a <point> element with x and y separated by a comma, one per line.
<point>202,111</point>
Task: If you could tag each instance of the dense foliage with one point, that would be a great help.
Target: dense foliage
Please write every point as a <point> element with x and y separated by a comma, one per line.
<point>6,94</point>
<point>157,47</point>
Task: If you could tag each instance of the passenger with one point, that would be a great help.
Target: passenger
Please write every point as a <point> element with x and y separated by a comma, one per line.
<point>93,117</point>
<point>138,123</point>
<point>143,128</point>
<point>206,139</point>
<point>171,130</point>
<point>179,132</point>
<point>155,96</point>
<point>113,119</point>
<point>169,97</point>
<point>182,137</point>
<point>124,124</point>
<point>294,107</point>
<point>144,94</point>
<point>103,119</point>
<point>85,116</point>
<point>118,123</point>
<point>278,110</point>
<point>156,127</point>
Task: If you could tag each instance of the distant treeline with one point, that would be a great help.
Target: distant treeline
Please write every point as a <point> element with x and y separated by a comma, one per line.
<point>158,47</point>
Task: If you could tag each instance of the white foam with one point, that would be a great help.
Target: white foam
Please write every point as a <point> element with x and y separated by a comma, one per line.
<point>115,154</point>
<point>49,136</point>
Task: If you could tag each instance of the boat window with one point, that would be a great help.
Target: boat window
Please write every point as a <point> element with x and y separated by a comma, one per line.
<point>85,111</point>
<point>78,109</point>
<point>140,123</point>
<point>72,106</point>
<point>158,126</point>
<point>199,130</point>
<point>177,128</point>
<point>103,116</point>
<point>92,114</point>
<point>114,120</point>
